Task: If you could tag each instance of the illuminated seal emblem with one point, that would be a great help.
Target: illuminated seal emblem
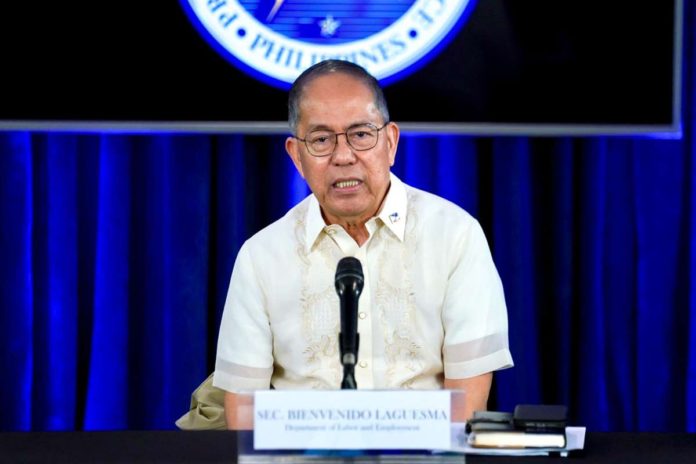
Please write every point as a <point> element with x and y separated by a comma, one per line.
<point>275,40</point>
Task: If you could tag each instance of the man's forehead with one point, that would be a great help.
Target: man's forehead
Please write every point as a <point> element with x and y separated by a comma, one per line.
<point>327,106</point>
<point>337,86</point>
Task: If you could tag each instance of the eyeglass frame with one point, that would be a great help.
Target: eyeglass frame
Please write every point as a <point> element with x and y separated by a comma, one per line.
<point>336,134</point>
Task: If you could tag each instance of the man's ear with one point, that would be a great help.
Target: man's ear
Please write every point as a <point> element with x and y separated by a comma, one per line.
<point>292,146</point>
<point>392,133</point>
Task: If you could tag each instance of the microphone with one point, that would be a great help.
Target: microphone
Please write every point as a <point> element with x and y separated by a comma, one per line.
<point>349,285</point>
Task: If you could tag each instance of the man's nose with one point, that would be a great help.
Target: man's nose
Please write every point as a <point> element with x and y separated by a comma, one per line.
<point>343,152</point>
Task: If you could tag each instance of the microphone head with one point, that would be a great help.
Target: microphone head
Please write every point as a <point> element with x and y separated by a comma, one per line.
<point>349,274</point>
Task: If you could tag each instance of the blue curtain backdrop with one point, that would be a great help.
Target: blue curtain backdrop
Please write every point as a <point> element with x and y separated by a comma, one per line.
<point>116,251</point>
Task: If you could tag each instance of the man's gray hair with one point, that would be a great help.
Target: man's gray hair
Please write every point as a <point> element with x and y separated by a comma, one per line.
<point>327,67</point>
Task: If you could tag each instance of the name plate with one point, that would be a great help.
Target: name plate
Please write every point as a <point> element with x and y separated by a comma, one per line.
<point>352,419</point>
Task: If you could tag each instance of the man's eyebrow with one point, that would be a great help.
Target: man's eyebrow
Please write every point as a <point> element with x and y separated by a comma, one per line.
<point>322,127</point>
<point>319,127</point>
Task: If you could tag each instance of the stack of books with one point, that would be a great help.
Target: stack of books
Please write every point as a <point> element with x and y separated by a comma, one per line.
<point>529,426</point>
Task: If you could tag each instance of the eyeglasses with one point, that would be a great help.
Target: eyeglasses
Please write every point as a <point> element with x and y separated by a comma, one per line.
<point>362,137</point>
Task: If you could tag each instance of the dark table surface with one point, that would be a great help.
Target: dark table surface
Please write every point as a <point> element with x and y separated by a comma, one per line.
<point>221,447</point>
